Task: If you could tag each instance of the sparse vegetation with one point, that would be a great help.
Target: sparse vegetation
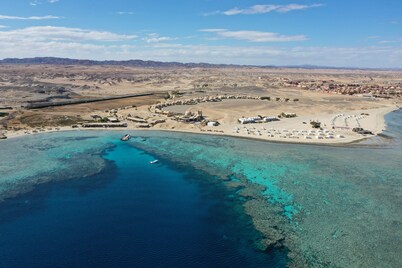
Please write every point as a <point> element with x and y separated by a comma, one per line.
<point>315,124</point>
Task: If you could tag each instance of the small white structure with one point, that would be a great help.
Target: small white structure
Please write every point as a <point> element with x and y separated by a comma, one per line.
<point>212,124</point>
<point>113,119</point>
<point>249,120</point>
<point>270,119</point>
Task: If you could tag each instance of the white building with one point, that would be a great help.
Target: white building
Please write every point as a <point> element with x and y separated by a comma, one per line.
<point>212,124</point>
<point>249,120</point>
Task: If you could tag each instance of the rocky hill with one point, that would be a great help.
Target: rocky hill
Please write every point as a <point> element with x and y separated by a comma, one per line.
<point>133,63</point>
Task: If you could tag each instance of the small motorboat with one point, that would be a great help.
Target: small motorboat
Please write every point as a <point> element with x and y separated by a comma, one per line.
<point>125,137</point>
<point>154,161</point>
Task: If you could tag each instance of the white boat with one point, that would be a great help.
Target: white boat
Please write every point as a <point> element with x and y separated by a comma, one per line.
<point>125,137</point>
<point>154,161</point>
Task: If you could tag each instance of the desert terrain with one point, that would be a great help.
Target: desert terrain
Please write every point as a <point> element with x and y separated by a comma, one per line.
<point>285,104</point>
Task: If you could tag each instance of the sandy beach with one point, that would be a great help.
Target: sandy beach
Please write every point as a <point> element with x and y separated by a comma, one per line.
<point>291,130</point>
<point>269,92</point>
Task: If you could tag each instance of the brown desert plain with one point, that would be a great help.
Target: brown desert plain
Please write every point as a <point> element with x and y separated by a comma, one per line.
<point>41,98</point>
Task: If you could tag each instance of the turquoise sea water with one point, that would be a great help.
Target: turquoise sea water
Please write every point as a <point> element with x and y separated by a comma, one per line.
<point>326,206</point>
<point>112,208</point>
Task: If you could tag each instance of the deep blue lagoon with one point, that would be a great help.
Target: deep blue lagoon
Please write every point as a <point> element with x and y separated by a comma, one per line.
<point>131,214</point>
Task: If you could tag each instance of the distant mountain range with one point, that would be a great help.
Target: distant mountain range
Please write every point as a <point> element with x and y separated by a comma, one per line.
<point>159,64</point>
<point>134,63</point>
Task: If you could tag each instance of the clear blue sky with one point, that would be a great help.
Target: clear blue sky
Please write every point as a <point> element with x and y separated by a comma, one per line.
<point>350,33</point>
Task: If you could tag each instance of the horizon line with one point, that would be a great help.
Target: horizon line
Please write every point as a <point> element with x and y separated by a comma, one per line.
<point>301,66</point>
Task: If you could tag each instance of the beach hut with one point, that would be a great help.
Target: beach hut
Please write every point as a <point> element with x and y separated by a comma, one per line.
<point>212,124</point>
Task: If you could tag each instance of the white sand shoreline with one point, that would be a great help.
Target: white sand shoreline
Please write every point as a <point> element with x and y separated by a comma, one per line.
<point>377,122</point>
